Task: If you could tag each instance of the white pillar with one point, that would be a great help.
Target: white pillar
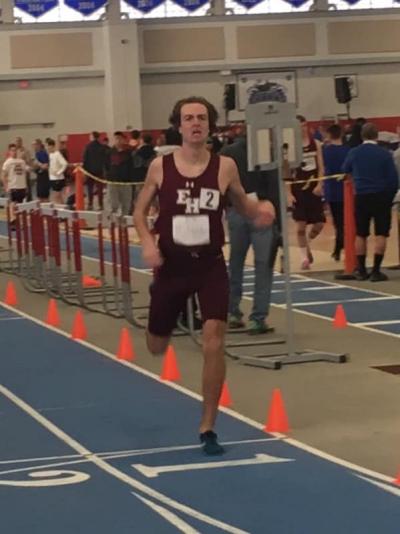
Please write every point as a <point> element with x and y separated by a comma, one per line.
<point>122,94</point>
<point>7,11</point>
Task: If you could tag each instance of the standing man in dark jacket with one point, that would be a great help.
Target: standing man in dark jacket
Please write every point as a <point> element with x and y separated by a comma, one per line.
<point>142,157</point>
<point>120,169</point>
<point>94,161</point>
<point>375,182</point>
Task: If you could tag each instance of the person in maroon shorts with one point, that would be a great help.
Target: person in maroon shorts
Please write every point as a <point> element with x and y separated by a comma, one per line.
<point>306,198</point>
<point>192,186</point>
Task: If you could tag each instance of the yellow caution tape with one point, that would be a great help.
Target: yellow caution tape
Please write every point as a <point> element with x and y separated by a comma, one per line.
<point>307,182</point>
<point>103,181</point>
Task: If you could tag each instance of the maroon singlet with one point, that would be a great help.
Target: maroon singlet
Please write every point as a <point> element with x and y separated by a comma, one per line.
<point>190,197</point>
<point>308,169</point>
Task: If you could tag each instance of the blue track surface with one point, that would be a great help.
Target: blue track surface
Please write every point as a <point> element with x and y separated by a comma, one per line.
<point>365,307</point>
<point>108,408</point>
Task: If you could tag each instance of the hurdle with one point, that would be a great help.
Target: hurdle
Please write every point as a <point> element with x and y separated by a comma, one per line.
<point>7,263</point>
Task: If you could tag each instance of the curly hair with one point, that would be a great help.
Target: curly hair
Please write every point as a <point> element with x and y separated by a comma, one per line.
<point>175,117</point>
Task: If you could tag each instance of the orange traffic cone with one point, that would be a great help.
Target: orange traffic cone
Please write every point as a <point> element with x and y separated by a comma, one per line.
<point>340,320</point>
<point>90,281</point>
<point>170,370</point>
<point>52,318</point>
<point>225,398</point>
<point>11,294</point>
<point>277,420</point>
<point>79,327</point>
<point>397,481</point>
<point>125,349</point>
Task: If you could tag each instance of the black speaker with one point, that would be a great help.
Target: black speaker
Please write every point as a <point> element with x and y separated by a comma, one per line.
<point>230,96</point>
<point>342,90</point>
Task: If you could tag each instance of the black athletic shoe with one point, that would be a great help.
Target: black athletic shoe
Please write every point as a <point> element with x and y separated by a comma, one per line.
<point>211,447</point>
<point>361,276</point>
<point>378,277</point>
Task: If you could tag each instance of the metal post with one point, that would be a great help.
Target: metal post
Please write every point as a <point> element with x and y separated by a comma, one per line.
<point>285,242</point>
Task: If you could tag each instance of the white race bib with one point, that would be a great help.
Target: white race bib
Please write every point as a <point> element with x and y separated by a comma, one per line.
<point>309,162</point>
<point>191,230</point>
<point>209,199</point>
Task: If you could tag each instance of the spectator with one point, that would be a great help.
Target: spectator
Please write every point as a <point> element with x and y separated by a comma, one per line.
<point>94,162</point>
<point>41,166</point>
<point>376,182</point>
<point>23,153</point>
<point>242,234</point>
<point>334,154</point>
<point>173,140</point>
<point>14,179</point>
<point>57,167</point>
<point>356,137</point>
<point>134,142</point>
<point>120,169</point>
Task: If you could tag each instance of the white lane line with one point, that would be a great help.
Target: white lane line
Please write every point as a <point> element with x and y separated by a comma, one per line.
<point>394,490</point>
<point>150,471</point>
<point>159,450</point>
<point>12,319</point>
<point>321,288</point>
<point>355,325</point>
<point>378,323</point>
<point>120,455</point>
<point>113,471</point>
<point>40,459</point>
<point>295,281</point>
<point>236,415</point>
<point>109,455</point>
<point>343,301</point>
<point>336,284</point>
<point>169,516</point>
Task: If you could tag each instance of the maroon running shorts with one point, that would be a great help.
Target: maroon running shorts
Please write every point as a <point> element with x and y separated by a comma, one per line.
<point>175,282</point>
<point>308,207</point>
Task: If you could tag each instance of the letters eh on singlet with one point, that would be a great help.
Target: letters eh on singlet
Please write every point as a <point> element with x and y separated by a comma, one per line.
<point>193,228</point>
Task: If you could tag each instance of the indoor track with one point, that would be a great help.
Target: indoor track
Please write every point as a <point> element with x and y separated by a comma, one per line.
<point>93,444</point>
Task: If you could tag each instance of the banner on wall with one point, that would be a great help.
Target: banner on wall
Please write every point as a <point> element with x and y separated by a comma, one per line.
<point>266,87</point>
<point>248,4</point>
<point>36,8</point>
<point>85,7</point>
<point>145,6</point>
<point>299,3</point>
<point>192,5</point>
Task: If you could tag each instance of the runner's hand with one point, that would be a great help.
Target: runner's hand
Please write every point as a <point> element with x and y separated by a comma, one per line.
<point>152,255</point>
<point>265,214</point>
<point>317,191</point>
<point>291,200</point>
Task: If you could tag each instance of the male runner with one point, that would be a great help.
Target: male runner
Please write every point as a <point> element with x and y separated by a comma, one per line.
<point>192,186</point>
<point>308,208</point>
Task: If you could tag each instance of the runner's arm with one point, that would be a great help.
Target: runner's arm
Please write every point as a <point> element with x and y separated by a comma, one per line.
<point>144,200</point>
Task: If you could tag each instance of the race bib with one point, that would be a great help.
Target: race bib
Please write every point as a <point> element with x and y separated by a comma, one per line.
<point>209,199</point>
<point>191,230</point>
<point>309,163</point>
